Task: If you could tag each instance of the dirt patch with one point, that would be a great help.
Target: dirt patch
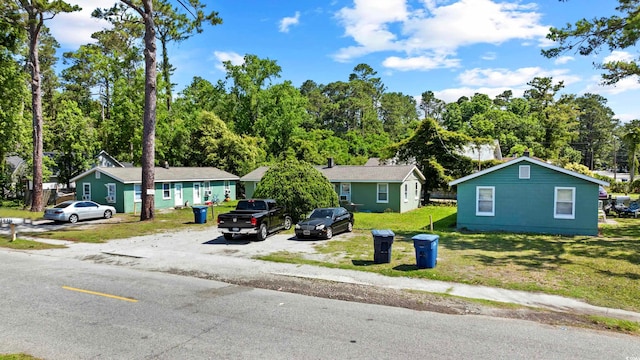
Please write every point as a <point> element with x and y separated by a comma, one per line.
<point>414,300</point>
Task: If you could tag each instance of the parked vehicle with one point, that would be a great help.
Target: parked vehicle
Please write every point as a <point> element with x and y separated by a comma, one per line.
<point>325,222</point>
<point>259,217</point>
<point>74,210</point>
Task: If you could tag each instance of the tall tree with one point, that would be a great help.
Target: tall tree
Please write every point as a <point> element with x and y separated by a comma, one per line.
<point>588,36</point>
<point>398,113</point>
<point>248,81</point>
<point>558,117</point>
<point>13,123</point>
<point>29,16</point>
<point>631,138</point>
<point>175,26</point>
<point>436,152</point>
<point>431,106</point>
<point>595,130</point>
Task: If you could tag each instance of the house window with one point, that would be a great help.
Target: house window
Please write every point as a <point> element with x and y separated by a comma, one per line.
<point>111,192</point>
<point>166,191</point>
<point>137,192</point>
<point>86,191</point>
<point>196,193</point>
<point>97,174</point>
<point>227,186</point>
<point>564,203</point>
<point>525,172</point>
<point>417,191</point>
<point>345,192</point>
<point>383,193</point>
<point>406,192</point>
<point>485,201</point>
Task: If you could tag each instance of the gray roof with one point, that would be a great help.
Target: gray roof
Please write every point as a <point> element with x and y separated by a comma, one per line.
<point>353,173</point>
<point>533,161</point>
<point>134,174</point>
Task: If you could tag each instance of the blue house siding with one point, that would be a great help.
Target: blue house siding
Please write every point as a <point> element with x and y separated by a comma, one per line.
<point>527,205</point>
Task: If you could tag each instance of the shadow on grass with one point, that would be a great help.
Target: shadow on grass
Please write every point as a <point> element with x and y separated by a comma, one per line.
<point>363,262</point>
<point>406,267</point>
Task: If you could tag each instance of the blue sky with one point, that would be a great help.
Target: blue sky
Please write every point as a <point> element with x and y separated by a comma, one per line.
<point>451,47</point>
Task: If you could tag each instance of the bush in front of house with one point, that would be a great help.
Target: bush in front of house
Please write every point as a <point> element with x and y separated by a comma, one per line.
<point>298,186</point>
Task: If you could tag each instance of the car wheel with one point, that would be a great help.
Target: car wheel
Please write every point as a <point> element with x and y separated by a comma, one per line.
<point>228,236</point>
<point>287,223</point>
<point>262,232</point>
<point>349,226</point>
<point>73,218</point>
<point>108,214</point>
<point>329,233</point>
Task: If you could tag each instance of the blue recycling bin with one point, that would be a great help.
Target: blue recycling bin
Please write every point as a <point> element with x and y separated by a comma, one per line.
<point>199,214</point>
<point>382,242</point>
<point>426,246</point>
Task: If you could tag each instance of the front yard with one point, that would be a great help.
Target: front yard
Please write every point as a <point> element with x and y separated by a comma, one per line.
<point>602,270</point>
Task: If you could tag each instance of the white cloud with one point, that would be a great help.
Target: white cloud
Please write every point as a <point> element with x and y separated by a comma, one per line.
<point>440,27</point>
<point>489,56</point>
<point>563,60</point>
<point>618,55</point>
<point>513,78</point>
<point>630,83</point>
<point>420,63</point>
<point>74,29</point>
<point>222,56</point>
<point>287,22</point>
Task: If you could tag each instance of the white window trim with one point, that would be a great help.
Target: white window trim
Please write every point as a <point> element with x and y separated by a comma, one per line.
<point>163,191</point>
<point>493,201</point>
<point>111,192</point>
<point>346,195</point>
<point>417,191</point>
<point>86,191</point>
<point>406,192</point>
<point>573,203</point>
<point>139,186</point>
<point>386,185</point>
<point>524,172</point>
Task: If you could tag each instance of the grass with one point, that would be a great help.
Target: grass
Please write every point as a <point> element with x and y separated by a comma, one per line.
<point>23,244</point>
<point>129,225</point>
<point>17,357</point>
<point>603,270</point>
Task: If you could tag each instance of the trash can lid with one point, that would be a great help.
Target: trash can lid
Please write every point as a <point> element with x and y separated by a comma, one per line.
<point>426,237</point>
<point>382,233</point>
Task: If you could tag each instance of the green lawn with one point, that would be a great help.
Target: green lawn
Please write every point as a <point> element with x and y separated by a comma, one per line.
<point>601,270</point>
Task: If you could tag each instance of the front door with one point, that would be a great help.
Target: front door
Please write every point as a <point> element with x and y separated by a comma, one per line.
<point>197,197</point>
<point>177,195</point>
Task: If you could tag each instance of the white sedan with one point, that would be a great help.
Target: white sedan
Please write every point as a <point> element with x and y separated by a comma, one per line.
<point>72,211</point>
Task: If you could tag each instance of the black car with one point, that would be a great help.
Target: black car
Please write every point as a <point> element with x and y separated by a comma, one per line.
<point>324,222</point>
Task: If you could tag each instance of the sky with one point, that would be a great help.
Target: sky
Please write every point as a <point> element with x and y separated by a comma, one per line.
<point>451,47</point>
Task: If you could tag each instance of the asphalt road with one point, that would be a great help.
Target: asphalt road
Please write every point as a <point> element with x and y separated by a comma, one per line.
<point>62,308</point>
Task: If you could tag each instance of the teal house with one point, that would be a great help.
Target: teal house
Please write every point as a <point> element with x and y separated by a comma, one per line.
<point>526,195</point>
<point>174,187</point>
<point>395,188</point>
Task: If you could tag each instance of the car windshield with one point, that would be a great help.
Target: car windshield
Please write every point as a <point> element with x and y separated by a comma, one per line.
<point>62,205</point>
<point>321,213</point>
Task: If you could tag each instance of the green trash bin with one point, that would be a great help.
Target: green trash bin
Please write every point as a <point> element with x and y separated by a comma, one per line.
<point>199,214</point>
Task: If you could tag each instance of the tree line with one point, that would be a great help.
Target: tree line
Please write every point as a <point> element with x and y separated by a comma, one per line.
<point>101,101</point>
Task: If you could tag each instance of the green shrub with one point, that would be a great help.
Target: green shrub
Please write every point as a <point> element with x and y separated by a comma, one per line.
<point>298,186</point>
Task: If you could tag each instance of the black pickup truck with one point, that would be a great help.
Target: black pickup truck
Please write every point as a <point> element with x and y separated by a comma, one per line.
<point>258,217</point>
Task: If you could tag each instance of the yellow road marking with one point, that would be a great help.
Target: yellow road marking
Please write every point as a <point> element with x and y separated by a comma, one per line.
<point>99,294</point>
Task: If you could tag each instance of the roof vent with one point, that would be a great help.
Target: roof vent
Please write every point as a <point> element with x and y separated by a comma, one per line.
<point>165,165</point>
<point>330,162</point>
<point>526,153</point>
